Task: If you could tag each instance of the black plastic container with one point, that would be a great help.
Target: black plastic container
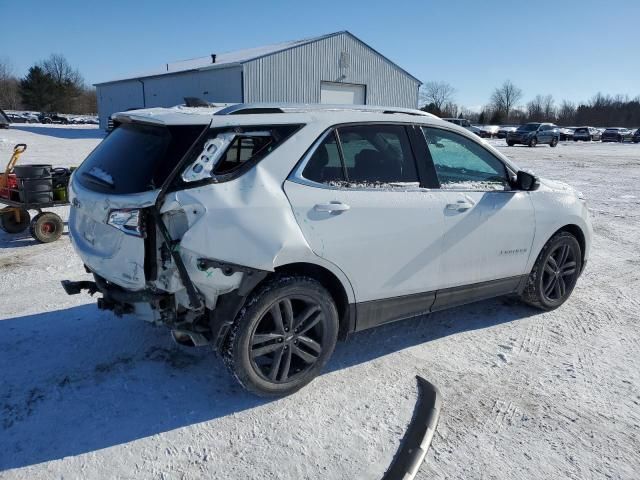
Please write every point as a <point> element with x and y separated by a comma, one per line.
<point>34,183</point>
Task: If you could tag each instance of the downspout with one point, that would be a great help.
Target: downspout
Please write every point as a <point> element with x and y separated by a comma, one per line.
<point>144,97</point>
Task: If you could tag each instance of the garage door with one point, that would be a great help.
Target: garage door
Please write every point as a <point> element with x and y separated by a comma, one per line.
<point>342,93</point>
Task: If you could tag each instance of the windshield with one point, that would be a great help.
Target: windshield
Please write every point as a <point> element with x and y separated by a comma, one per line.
<point>135,158</point>
<point>529,127</point>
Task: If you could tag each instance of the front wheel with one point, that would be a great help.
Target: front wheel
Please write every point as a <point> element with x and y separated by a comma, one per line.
<point>510,144</point>
<point>283,336</point>
<point>555,272</point>
<point>554,142</point>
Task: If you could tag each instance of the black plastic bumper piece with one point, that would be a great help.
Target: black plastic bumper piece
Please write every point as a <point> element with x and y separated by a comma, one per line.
<point>74,288</point>
<point>416,441</point>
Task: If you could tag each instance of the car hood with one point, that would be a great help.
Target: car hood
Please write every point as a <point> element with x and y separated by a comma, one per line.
<point>556,186</point>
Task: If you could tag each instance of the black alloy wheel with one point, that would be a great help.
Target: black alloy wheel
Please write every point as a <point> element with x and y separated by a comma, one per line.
<point>555,273</point>
<point>287,341</point>
<point>283,336</point>
<point>559,273</point>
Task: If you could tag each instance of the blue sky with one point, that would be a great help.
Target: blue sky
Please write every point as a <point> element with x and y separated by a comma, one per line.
<point>570,49</point>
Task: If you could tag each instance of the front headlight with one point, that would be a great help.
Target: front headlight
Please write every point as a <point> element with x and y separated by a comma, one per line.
<point>128,220</point>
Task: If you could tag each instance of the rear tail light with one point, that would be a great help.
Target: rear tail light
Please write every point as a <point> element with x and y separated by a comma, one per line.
<point>128,220</point>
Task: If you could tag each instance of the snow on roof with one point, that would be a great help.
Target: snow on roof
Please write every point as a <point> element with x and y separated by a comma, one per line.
<point>223,59</point>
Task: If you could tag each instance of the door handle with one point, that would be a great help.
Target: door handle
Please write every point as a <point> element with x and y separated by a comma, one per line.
<point>331,207</point>
<point>460,206</point>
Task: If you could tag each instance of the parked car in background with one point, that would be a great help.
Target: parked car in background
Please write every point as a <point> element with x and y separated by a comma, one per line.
<point>587,134</point>
<point>504,130</point>
<point>566,133</point>
<point>463,122</point>
<point>16,118</point>
<point>534,133</point>
<point>53,118</point>
<point>30,117</point>
<point>617,134</point>
<point>488,131</point>
<point>159,214</point>
<point>636,136</point>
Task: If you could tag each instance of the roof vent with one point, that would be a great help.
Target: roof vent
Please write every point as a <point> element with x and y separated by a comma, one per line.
<point>195,102</point>
<point>213,58</point>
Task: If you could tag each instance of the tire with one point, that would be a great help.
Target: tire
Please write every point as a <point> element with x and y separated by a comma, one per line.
<point>263,365</point>
<point>510,144</point>
<point>555,272</point>
<point>46,227</point>
<point>621,139</point>
<point>533,142</point>
<point>9,223</point>
<point>554,142</point>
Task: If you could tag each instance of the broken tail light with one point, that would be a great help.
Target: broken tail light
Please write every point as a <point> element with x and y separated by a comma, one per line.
<point>128,220</point>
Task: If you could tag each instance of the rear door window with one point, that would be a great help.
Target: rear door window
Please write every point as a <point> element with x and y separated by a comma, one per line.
<point>377,154</point>
<point>325,165</point>
<point>364,156</point>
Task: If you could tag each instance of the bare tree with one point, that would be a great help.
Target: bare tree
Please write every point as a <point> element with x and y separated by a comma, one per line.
<point>535,109</point>
<point>566,113</point>
<point>439,94</point>
<point>61,71</point>
<point>9,86</point>
<point>505,97</point>
<point>549,108</point>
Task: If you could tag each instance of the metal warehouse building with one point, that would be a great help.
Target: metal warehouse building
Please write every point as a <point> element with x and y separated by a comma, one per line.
<point>337,68</point>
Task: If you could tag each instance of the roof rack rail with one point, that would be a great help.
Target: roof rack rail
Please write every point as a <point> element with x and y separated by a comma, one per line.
<point>264,108</point>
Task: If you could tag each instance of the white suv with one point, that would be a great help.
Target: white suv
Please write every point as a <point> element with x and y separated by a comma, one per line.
<point>270,231</point>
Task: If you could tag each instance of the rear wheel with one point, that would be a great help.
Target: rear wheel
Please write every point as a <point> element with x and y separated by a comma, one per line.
<point>510,144</point>
<point>46,227</point>
<point>283,336</point>
<point>555,272</point>
<point>15,222</point>
<point>533,142</point>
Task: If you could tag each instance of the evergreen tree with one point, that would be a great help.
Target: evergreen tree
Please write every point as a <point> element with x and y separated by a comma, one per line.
<point>37,89</point>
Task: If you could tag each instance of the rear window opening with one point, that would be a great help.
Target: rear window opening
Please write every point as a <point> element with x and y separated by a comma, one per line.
<point>136,158</point>
<point>228,152</point>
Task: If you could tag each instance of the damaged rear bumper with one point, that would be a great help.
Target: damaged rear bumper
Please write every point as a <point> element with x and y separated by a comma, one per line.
<point>119,300</point>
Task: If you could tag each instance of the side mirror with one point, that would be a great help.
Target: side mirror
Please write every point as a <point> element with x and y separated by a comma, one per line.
<point>527,181</point>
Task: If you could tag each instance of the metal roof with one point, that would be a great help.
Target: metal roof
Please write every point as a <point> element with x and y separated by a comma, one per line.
<point>239,57</point>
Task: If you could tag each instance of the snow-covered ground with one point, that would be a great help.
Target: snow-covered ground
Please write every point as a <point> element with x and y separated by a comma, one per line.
<point>527,395</point>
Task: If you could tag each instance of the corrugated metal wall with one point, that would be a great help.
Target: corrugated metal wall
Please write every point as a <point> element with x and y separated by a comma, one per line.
<point>216,85</point>
<point>117,97</point>
<point>295,75</point>
<point>290,76</point>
